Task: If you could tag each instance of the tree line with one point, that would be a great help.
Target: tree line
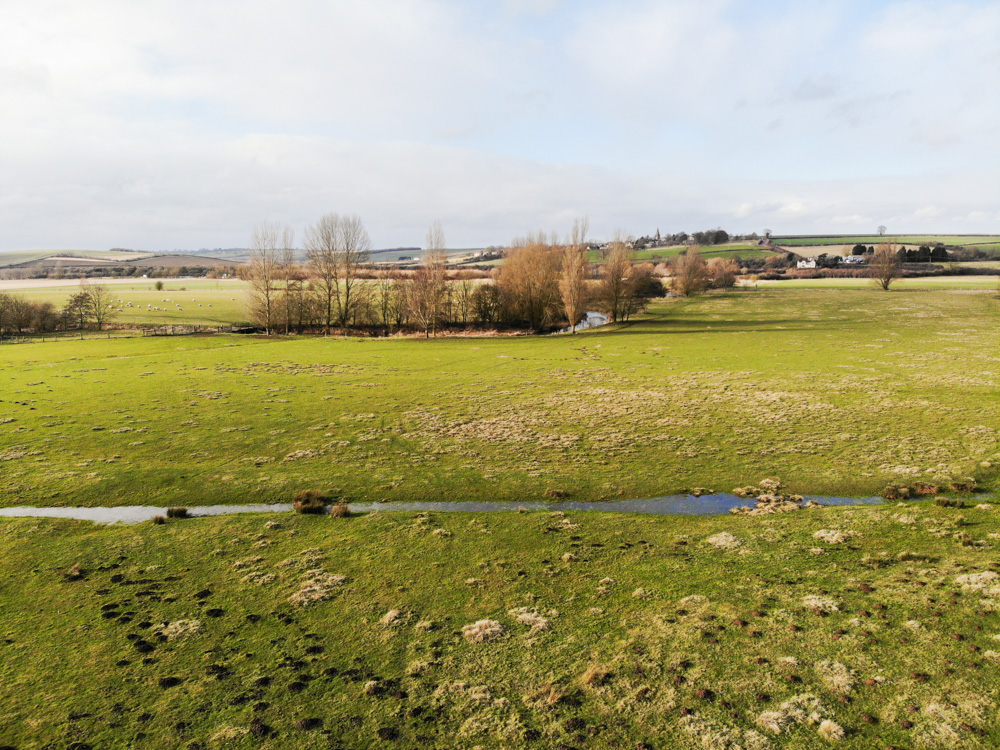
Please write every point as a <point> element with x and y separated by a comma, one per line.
<point>544,282</point>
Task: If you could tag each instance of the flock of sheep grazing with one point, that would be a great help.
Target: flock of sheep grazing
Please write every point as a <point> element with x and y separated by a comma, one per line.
<point>122,304</point>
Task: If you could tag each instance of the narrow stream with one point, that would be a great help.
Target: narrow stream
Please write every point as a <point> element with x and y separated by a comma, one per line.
<point>672,505</point>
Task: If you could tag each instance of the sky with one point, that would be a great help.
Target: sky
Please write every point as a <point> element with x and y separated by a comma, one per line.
<point>173,124</point>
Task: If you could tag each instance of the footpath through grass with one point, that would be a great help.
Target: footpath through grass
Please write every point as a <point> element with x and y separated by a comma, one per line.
<point>837,392</point>
<point>868,627</point>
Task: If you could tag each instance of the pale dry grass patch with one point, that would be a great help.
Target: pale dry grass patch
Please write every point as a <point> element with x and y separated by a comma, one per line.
<point>724,541</point>
<point>180,629</point>
<point>530,618</point>
<point>317,585</point>
<point>482,631</point>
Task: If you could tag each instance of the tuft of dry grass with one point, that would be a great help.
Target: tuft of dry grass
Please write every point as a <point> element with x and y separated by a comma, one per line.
<point>179,629</point>
<point>392,618</point>
<point>482,631</point>
<point>317,585</point>
<point>724,541</point>
<point>831,731</point>
<point>530,618</point>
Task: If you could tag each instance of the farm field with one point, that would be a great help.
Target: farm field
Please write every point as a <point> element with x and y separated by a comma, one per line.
<point>872,239</point>
<point>740,249</point>
<point>838,393</point>
<point>24,256</point>
<point>865,627</point>
<point>182,301</point>
<point>926,283</point>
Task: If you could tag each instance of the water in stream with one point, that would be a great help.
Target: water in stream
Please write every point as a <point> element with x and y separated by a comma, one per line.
<point>679,505</point>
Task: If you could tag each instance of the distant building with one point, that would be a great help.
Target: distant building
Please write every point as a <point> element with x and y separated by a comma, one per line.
<point>810,263</point>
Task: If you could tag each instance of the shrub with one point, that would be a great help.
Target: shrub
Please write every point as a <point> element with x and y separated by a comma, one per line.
<point>309,501</point>
<point>340,509</point>
<point>967,484</point>
<point>177,511</point>
<point>896,491</point>
<point>949,502</point>
<point>159,519</point>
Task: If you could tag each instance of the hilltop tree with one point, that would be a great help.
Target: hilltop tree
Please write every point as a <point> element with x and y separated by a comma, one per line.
<point>885,266</point>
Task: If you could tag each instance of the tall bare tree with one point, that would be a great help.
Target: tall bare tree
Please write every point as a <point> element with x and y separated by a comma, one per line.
<point>321,243</point>
<point>427,287</point>
<point>616,279</point>
<point>573,273</point>
<point>267,243</point>
<point>885,265</point>
<point>353,254</point>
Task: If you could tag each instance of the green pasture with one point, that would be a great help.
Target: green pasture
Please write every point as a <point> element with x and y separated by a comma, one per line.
<point>872,239</point>
<point>944,283</point>
<point>837,392</point>
<point>205,302</point>
<point>865,627</point>
<point>733,250</point>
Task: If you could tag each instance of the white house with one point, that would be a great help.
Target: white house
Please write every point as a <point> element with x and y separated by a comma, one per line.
<point>811,263</point>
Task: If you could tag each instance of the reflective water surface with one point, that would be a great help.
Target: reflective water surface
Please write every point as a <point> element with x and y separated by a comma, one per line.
<point>671,505</point>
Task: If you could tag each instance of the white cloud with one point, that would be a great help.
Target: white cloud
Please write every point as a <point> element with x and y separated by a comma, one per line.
<point>181,124</point>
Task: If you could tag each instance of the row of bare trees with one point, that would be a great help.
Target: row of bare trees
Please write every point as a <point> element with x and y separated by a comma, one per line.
<point>542,282</point>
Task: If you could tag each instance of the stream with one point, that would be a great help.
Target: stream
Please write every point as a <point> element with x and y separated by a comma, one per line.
<point>672,505</point>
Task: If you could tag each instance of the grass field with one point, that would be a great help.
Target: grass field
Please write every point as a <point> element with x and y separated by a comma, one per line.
<point>838,392</point>
<point>182,301</point>
<point>867,627</point>
<point>927,283</point>
<point>741,250</point>
<point>24,256</point>
<point>872,239</point>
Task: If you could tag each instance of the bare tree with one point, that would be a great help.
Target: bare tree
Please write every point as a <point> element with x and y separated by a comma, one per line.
<point>337,248</point>
<point>98,303</point>
<point>573,273</point>
<point>722,272</point>
<point>881,230</point>
<point>616,279</point>
<point>387,287</point>
<point>353,253</point>
<point>464,287</point>
<point>528,282</point>
<point>426,288</point>
<point>885,265</point>
<point>321,241</point>
<point>267,242</point>
<point>690,273</point>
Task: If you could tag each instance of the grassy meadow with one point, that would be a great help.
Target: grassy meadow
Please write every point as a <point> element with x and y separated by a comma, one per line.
<point>858,627</point>
<point>202,302</point>
<point>872,239</point>
<point>837,392</point>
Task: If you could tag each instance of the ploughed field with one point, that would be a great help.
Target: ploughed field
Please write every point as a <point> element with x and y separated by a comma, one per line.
<point>859,627</point>
<point>837,392</point>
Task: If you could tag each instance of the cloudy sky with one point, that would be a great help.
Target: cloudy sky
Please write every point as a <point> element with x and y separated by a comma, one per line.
<point>177,124</point>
